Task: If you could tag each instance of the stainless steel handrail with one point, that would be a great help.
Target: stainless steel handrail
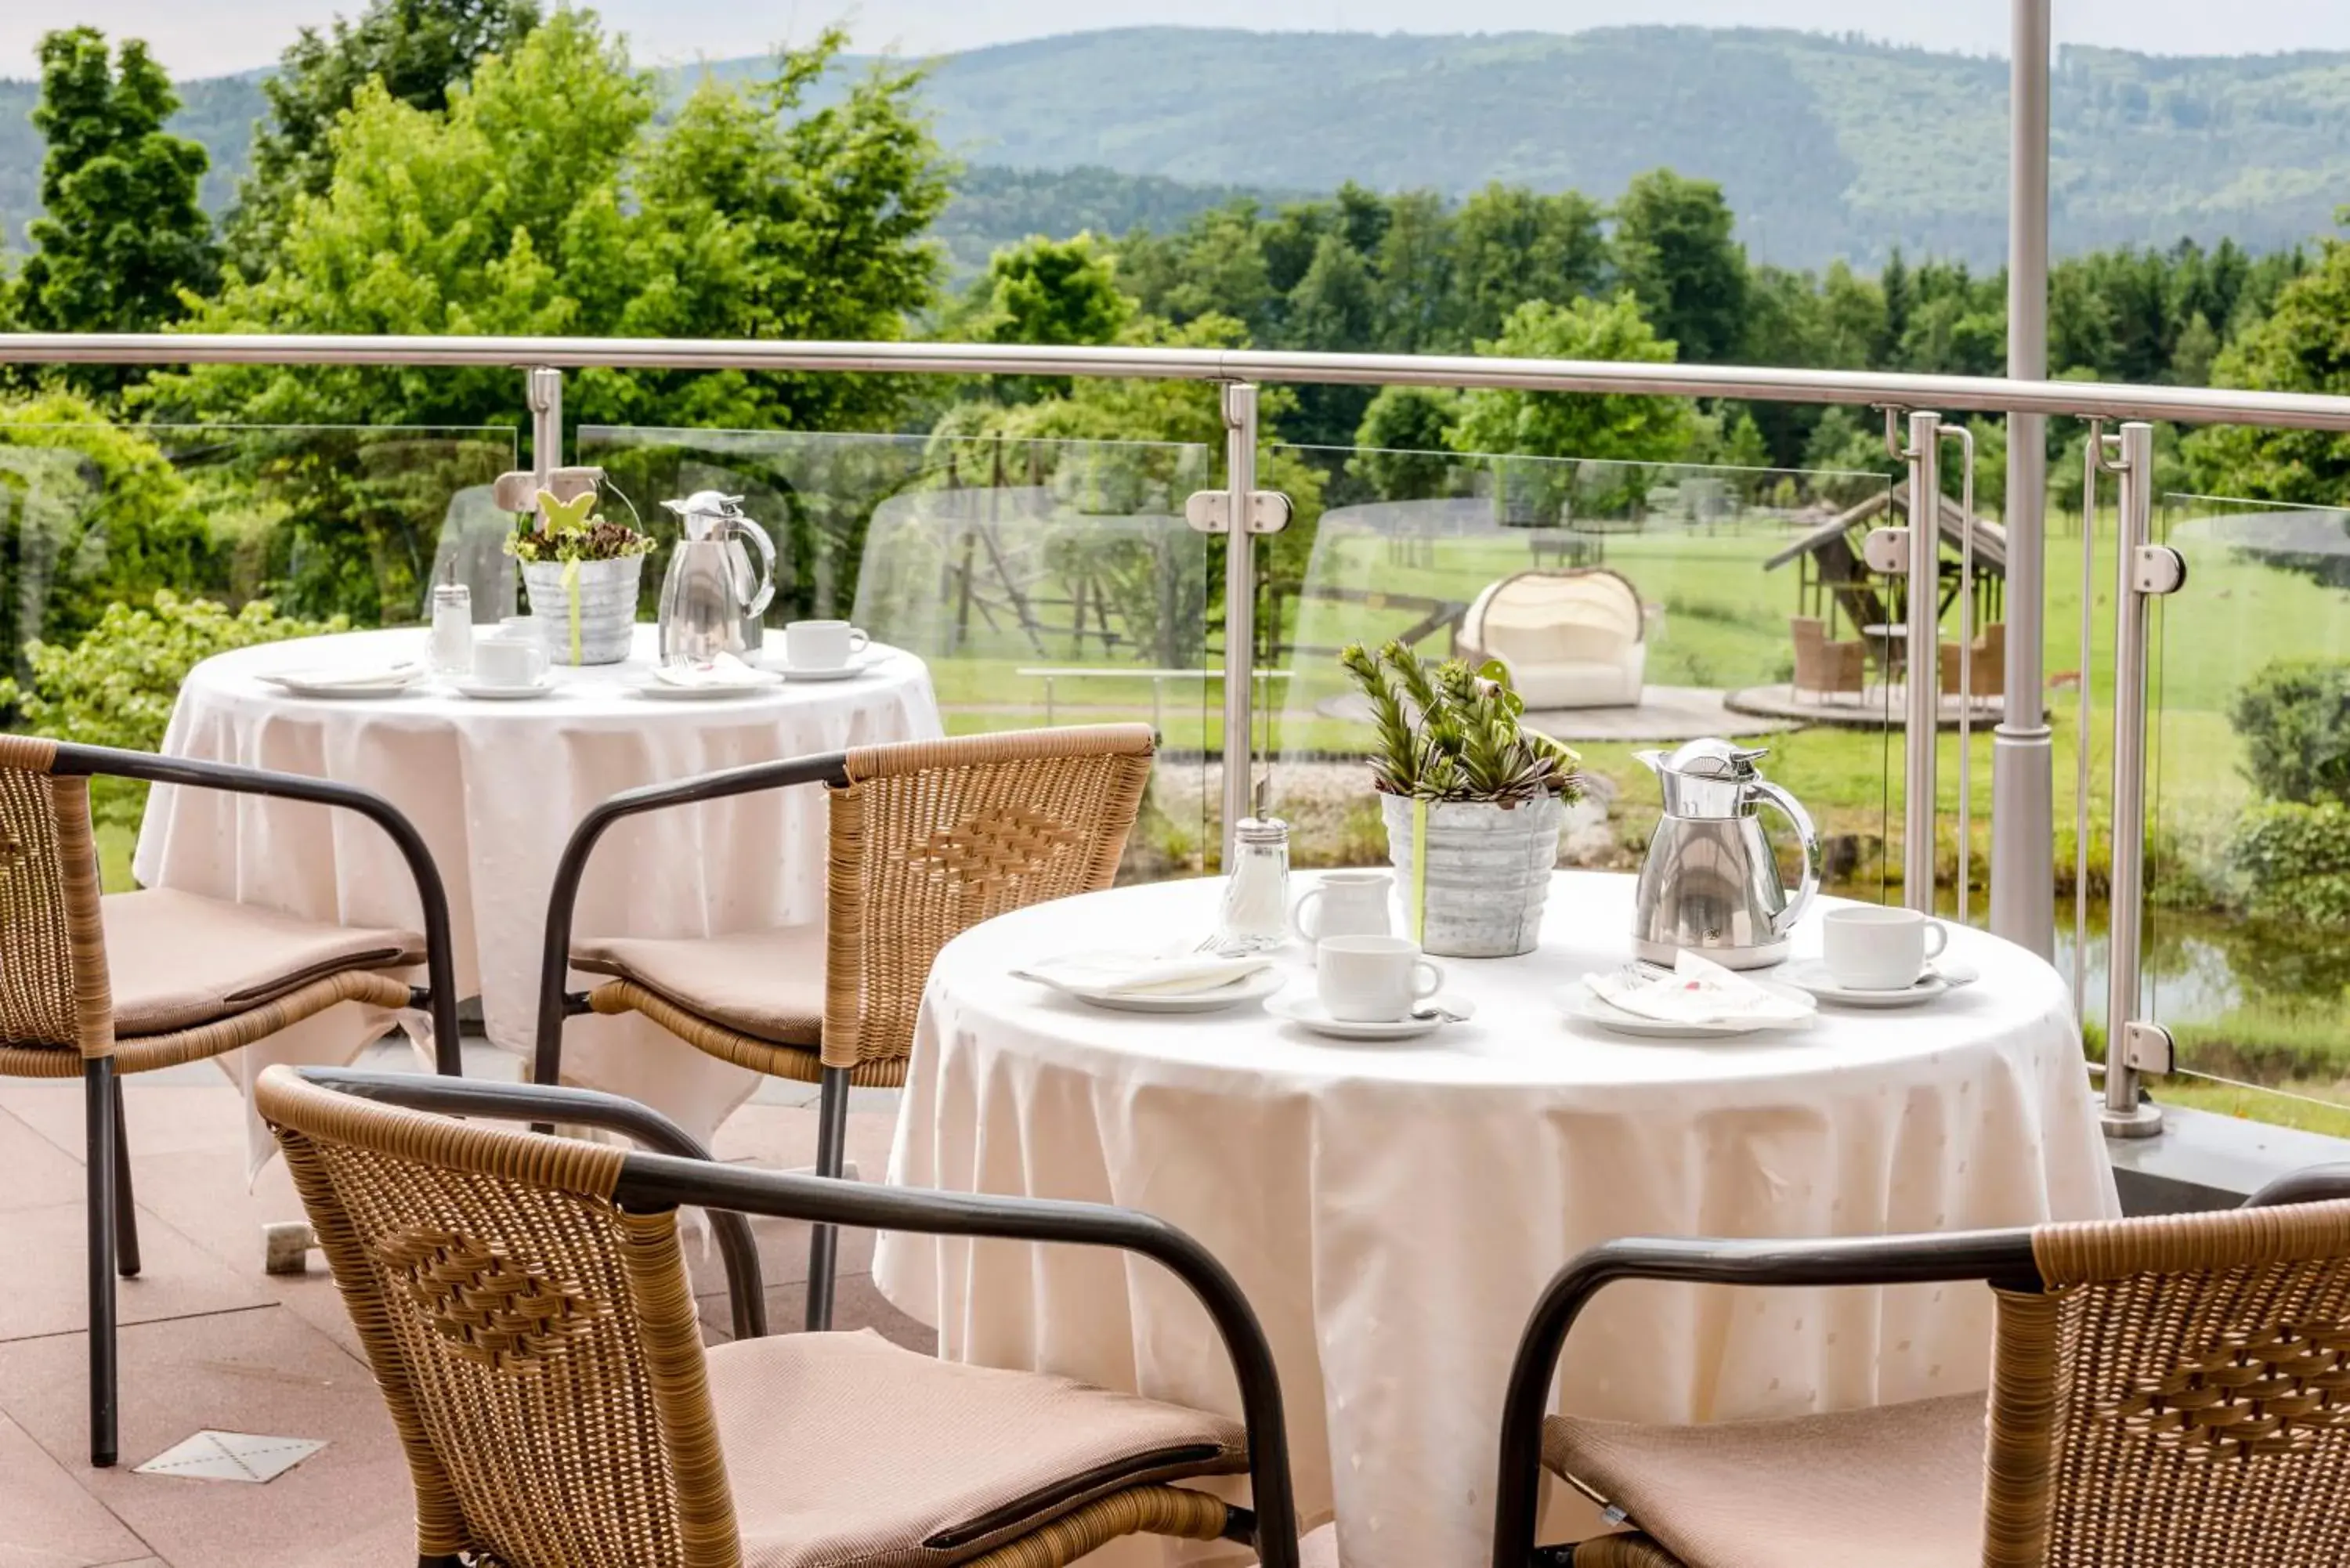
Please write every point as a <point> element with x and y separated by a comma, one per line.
<point>1972,394</point>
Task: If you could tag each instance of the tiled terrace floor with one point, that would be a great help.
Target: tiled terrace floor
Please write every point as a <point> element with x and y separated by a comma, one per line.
<point>210,1341</point>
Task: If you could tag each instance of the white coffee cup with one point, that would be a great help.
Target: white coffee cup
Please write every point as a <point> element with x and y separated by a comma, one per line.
<point>822,644</point>
<point>503,661</point>
<point>1373,979</point>
<point>1873,947</point>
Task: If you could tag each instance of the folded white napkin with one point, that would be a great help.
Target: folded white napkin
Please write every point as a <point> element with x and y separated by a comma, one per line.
<point>407,672</point>
<point>1142,974</point>
<point>1698,991</point>
<point>725,670</point>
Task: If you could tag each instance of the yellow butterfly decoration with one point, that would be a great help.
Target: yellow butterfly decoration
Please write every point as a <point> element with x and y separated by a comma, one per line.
<point>565,516</point>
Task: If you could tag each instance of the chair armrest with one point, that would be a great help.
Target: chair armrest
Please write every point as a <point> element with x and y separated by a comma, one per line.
<point>2002,1258</point>
<point>440,951</point>
<point>658,1181</point>
<point>562,900</point>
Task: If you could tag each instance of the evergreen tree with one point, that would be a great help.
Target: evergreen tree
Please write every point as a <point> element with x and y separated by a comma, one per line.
<point>1675,253</point>
<point>417,48</point>
<point>120,236</point>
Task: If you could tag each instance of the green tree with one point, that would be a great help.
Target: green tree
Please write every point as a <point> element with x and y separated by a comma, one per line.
<point>1611,426</point>
<point>1334,307</point>
<point>121,237</point>
<point>1403,454</point>
<point>543,202</point>
<point>2302,346</point>
<point>1044,291</point>
<point>416,49</point>
<point>1511,245</point>
<point>1675,253</point>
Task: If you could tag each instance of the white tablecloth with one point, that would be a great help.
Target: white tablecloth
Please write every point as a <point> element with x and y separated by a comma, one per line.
<point>496,787</point>
<point>1394,1210</point>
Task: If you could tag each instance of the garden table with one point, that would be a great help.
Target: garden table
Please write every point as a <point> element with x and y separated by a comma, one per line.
<point>495,788</point>
<point>1394,1210</point>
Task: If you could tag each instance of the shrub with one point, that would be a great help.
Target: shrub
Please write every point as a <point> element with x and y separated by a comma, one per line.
<point>116,686</point>
<point>2295,716</point>
<point>2297,856</point>
<point>90,514</point>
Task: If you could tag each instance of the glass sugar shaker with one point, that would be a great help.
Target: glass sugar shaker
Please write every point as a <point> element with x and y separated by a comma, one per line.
<point>1255,914</point>
<point>453,629</point>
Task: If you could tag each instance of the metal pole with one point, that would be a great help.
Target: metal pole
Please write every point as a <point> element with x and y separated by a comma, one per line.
<point>1922,713</point>
<point>1240,606</point>
<point>2124,1117</point>
<point>2022,749</point>
<point>543,392</point>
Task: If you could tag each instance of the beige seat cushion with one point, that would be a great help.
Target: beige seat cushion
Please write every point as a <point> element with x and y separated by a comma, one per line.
<point>177,961</point>
<point>767,984</point>
<point>1862,1489</point>
<point>845,1449</point>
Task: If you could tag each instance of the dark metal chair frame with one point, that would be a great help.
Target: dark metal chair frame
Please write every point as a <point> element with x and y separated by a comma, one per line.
<point>112,1216</point>
<point>655,1182</point>
<point>557,1005</point>
<point>2003,1259</point>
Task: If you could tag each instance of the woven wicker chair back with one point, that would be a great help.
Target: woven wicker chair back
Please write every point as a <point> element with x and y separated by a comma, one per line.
<point>537,1346</point>
<point>53,980</point>
<point>931,838</point>
<point>2179,1398</point>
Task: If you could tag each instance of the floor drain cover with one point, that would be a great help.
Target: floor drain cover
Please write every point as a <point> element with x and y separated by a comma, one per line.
<point>231,1456</point>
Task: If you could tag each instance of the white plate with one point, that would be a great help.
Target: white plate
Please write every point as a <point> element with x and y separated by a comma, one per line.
<point>294,685</point>
<point>1248,988</point>
<point>1307,1011</point>
<point>1576,1002</point>
<point>662,691</point>
<point>484,691</point>
<point>1812,975</point>
<point>856,667</point>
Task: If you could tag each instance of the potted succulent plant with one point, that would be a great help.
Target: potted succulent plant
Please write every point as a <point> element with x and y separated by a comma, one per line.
<point>1472,801</point>
<point>581,571</point>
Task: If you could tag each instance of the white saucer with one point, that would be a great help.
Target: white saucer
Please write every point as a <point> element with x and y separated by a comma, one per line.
<point>1248,988</point>
<point>662,691</point>
<point>295,686</point>
<point>1576,1002</point>
<point>486,691</point>
<point>1306,1010</point>
<point>1812,975</point>
<point>856,667</point>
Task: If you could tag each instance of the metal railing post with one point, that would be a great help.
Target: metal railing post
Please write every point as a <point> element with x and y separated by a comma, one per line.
<point>543,392</point>
<point>1922,711</point>
<point>2023,747</point>
<point>1240,607</point>
<point>2125,1115</point>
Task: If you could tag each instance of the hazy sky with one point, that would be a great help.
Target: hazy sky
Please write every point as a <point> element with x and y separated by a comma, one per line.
<point>201,37</point>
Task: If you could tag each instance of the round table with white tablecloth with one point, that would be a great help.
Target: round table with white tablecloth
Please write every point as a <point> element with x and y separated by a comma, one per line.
<point>496,787</point>
<point>1393,1211</point>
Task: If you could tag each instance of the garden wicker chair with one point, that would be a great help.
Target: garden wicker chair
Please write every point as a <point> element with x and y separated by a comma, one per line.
<point>2172,1392</point>
<point>96,986</point>
<point>1824,667</point>
<point>523,1302</point>
<point>927,839</point>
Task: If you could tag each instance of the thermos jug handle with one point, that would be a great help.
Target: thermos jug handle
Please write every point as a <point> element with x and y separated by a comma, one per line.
<point>767,588</point>
<point>1785,920</point>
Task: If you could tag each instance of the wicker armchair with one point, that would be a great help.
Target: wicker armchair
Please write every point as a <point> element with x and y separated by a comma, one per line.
<point>928,839</point>
<point>2171,1391</point>
<point>1986,668</point>
<point>1823,666</point>
<point>95,986</point>
<point>523,1302</point>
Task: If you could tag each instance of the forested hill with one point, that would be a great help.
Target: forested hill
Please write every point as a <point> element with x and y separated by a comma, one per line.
<point>1825,147</point>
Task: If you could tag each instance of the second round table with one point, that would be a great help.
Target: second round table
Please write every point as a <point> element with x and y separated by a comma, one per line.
<point>1393,1211</point>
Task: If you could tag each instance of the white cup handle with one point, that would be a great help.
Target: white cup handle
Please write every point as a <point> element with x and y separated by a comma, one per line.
<point>858,642</point>
<point>1297,917</point>
<point>1938,937</point>
<point>1434,973</point>
<point>540,662</point>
